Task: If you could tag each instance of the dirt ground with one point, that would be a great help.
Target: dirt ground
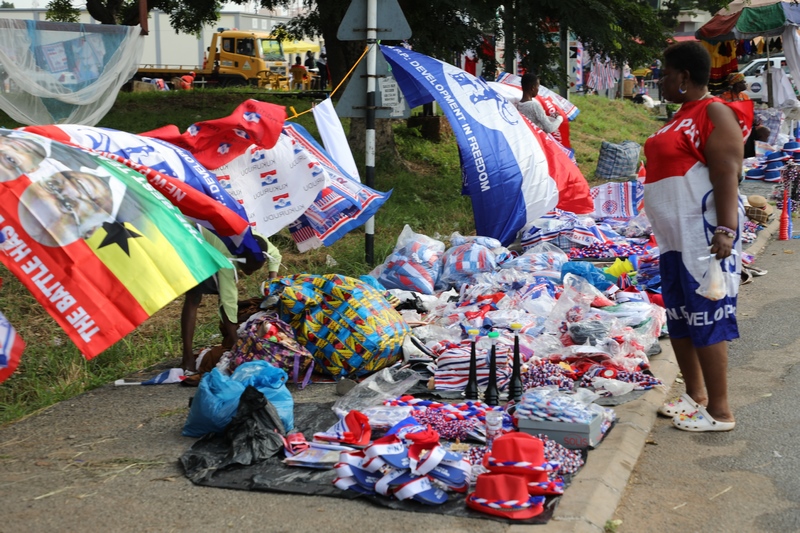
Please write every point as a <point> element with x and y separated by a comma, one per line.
<point>108,461</point>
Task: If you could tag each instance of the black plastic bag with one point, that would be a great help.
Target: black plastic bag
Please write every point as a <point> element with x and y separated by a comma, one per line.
<point>253,435</point>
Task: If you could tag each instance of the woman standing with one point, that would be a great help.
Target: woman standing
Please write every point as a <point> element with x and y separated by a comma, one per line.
<point>736,88</point>
<point>691,197</point>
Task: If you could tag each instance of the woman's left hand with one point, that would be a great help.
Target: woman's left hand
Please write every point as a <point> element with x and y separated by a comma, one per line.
<point>721,245</point>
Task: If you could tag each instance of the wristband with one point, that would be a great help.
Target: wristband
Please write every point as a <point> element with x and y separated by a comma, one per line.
<point>728,232</point>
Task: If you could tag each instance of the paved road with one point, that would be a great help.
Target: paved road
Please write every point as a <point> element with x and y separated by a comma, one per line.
<point>747,480</point>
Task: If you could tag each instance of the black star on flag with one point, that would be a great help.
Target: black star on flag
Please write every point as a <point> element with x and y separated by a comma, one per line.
<point>117,233</point>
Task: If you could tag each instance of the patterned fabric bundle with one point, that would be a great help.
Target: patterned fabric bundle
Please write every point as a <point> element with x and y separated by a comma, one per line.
<point>348,326</point>
<point>267,338</point>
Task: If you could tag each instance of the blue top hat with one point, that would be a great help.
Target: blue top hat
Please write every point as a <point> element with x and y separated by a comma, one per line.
<point>776,156</point>
<point>791,146</point>
<point>775,165</point>
<point>755,173</point>
<point>772,175</point>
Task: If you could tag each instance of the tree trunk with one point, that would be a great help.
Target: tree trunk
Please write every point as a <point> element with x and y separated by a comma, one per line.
<point>342,55</point>
<point>384,137</point>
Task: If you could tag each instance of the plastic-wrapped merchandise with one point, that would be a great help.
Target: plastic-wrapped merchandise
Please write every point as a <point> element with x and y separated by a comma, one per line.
<point>415,263</point>
<point>572,306</point>
<point>548,404</point>
<point>386,416</point>
<point>373,391</point>
<point>545,345</point>
<point>588,331</point>
<point>588,271</point>
<point>462,263</point>
<point>545,259</point>
<point>638,226</point>
<point>456,239</point>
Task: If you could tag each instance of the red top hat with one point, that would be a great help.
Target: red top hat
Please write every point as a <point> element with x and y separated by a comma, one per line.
<point>516,453</point>
<point>540,484</point>
<point>504,495</point>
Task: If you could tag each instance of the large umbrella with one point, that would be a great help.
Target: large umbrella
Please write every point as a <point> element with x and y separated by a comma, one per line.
<point>768,20</point>
<point>738,5</point>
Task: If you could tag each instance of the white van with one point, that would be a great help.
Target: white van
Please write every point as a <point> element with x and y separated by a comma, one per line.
<point>755,78</point>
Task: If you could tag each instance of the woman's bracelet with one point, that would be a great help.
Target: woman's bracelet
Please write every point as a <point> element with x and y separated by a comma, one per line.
<point>728,232</point>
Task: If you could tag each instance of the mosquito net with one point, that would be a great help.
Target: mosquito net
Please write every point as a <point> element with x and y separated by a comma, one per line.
<point>53,72</point>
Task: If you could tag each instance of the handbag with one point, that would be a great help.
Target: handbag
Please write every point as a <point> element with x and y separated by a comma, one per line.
<point>265,337</point>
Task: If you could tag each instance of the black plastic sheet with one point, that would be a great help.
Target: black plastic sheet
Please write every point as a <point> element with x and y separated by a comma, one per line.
<point>271,475</point>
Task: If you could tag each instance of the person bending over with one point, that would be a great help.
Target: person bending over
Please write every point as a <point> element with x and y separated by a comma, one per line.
<point>223,284</point>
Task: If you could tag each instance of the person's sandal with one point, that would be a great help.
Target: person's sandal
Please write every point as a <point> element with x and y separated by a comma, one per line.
<point>192,379</point>
<point>755,271</point>
<point>700,421</point>
<point>680,406</point>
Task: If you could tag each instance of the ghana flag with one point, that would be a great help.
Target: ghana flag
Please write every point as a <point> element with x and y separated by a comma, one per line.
<point>92,240</point>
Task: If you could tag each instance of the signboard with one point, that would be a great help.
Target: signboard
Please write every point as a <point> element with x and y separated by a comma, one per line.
<point>388,98</point>
<point>392,23</point>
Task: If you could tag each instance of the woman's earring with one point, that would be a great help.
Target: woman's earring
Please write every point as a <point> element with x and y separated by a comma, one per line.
<point>681,90</point>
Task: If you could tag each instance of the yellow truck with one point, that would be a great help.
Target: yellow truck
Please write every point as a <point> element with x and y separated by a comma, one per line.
<point>234,57</point>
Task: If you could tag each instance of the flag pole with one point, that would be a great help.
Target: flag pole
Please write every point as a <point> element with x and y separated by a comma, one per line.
<point>372,60</point>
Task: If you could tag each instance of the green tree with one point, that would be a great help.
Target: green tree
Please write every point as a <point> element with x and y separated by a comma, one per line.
<point>6,5</point>
<point>187,16</point>
<point>61,11</point>
<point>620,29</point>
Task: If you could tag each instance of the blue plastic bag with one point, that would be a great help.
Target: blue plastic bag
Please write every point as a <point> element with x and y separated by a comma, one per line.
<point>271,382</point>
<point>587,271</point>
<point>214,404</point>
<point>218,395</point>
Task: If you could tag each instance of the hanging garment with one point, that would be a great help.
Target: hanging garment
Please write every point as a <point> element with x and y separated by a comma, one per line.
<point>721,64</point>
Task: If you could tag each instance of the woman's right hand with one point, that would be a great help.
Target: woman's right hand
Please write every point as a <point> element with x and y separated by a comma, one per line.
<point>721,245</point>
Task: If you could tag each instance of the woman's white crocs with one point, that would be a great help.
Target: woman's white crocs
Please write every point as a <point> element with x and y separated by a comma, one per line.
<point>700,420</point>
<point>681,406</point>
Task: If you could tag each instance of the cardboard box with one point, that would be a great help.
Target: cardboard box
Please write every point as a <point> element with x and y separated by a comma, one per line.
<point>568,434</point>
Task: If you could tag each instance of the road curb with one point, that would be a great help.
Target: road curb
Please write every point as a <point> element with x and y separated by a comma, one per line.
<point>592,498</point>
<point>758,246</point>
<point>596,491</point>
